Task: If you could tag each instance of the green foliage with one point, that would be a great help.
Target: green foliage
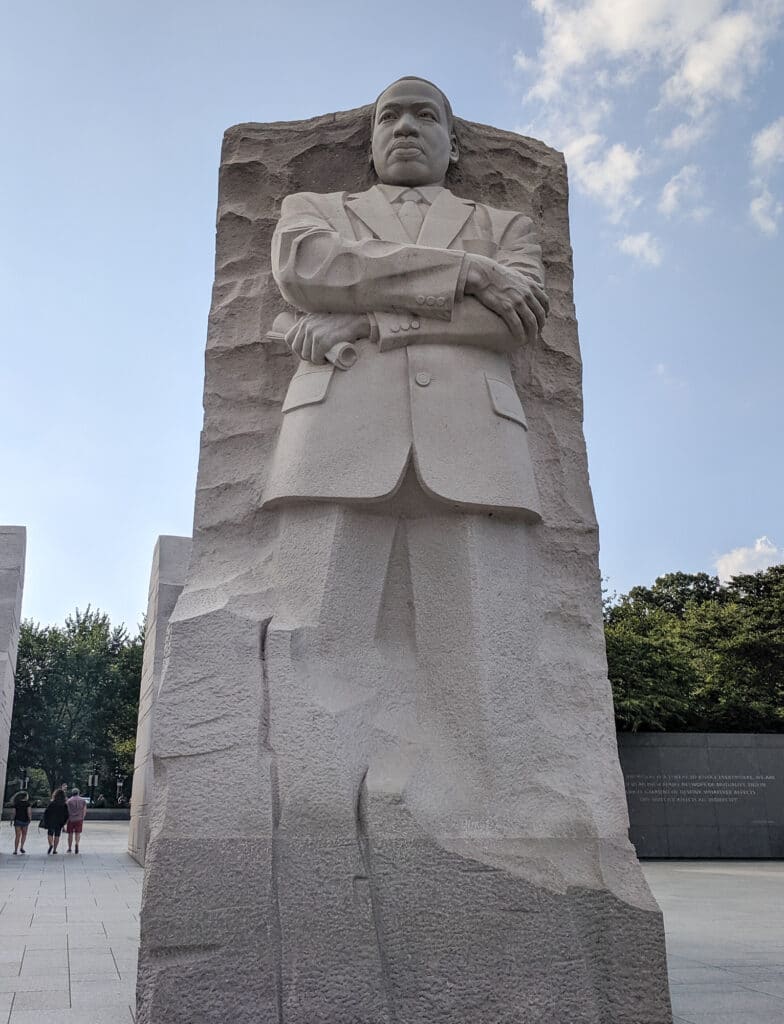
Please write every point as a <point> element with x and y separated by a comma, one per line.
<point>690,654</point>
<point>76,700</point>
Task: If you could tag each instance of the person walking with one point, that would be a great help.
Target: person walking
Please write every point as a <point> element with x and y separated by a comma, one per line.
<point>55,817</point>
<point>22,815</point>
<point>77,812</point>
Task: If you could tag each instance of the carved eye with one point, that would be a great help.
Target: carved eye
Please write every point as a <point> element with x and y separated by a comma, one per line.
<point>388,115</point>
<point>427,114</point>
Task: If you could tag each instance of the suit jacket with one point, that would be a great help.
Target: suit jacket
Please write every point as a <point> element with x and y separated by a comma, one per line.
<point>433,383</point>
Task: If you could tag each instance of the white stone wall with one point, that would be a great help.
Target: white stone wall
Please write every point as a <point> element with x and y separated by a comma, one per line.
<point>167,577</point>
<point>13,541</point>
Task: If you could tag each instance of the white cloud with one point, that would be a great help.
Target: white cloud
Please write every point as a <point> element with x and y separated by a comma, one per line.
<point>696,55</point>
<point>761,555</point>
<point>767,150</point>
<point>765,211</point>
<point>607,174</point>
<point>682,187</point>
<point>718,63</point>
<point>645,248</point>
<point>688,133</point>
<point>767,147</point>
<point>576,36</point>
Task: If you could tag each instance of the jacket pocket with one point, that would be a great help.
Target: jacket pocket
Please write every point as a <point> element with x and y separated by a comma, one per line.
<point>308,388</point>
<point>505,401</point>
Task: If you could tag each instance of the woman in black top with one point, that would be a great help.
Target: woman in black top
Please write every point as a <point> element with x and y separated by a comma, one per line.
<point>55,817</point>
<point>22,816</point>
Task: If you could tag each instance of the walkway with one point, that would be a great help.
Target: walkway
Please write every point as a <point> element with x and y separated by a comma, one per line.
<point>69,929</point>
<point>69,932</point>
<point>725,939</point>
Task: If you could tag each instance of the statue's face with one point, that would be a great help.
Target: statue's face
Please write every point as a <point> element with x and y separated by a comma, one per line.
<point>412,143</point>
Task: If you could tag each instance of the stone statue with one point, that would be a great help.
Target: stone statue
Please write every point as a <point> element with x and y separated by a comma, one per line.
<point>442,290</point>
<point>390,638</point>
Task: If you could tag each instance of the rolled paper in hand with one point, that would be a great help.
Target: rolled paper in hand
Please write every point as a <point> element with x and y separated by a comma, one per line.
<point>343,355</point>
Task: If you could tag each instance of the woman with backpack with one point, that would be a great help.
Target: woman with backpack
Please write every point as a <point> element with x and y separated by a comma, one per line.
<point>54,819</point>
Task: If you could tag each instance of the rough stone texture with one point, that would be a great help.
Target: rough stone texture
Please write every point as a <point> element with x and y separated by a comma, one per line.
<point>167,578</point>
<point>307,908</point>
<point>13,542</point>
<point>705,794</point>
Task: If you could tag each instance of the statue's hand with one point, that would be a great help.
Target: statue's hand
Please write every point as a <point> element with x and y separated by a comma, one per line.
<point>314,334</point>
<point>522,305</point>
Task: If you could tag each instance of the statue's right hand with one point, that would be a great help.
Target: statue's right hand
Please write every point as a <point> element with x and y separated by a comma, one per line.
<point>314,334</point>
<point>520,303</point>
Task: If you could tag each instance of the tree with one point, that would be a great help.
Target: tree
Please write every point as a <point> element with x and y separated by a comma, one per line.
<point>649,671</point>
<point>673,593</point>
<point>737,649</point>
<point>691,654</point>
<point>77,692</point>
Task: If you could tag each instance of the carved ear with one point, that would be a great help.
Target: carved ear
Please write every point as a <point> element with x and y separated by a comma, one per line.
<point>454,151</point>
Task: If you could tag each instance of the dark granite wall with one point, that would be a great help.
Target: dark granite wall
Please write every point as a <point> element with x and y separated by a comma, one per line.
<point>705,794</point>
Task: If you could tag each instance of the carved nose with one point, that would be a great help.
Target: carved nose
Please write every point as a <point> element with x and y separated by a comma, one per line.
<point>406,126</point>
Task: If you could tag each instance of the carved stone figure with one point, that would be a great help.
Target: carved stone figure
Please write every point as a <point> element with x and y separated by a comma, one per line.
<point>436,826</point>
<point>442,293</point>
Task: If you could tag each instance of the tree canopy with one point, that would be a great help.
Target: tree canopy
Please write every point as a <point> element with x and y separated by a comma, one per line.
<point>76,700</point>
<point>691,654</point>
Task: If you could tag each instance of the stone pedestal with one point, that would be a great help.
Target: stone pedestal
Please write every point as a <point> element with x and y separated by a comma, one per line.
<point>379,873</point>
<point>13,541</point>
<point>167,578</point>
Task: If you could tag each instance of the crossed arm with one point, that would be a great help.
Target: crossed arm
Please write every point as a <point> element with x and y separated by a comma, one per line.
<point>347,287</point>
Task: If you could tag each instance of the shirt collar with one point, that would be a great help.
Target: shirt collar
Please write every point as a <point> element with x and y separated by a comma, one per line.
<point>428,192</point>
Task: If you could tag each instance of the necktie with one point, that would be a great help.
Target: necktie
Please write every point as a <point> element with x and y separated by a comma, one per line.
<point>410,212</point>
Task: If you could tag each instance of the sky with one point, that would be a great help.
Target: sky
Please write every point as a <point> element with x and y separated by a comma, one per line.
<point>671,115</point>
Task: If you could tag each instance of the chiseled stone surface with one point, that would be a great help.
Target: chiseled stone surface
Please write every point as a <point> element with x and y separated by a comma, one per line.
<point>429,844</point>
<point>167,578</point>
<point>13,542</point>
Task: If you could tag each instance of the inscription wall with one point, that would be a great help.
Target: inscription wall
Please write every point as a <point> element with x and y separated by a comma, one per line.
<point>704,794</point>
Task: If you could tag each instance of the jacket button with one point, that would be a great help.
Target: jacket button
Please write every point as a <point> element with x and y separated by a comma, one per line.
<point>420,300</point>
<point>440,302</point>
<point>430,300</point>
<point>423,379</point>
<point>415,324</point>
<point>394,328</point>
<point>405,327</point>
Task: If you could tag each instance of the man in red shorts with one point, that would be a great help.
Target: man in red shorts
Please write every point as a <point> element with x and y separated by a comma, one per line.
<point>77,810</point>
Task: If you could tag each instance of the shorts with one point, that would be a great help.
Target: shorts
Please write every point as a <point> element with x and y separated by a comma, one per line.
<point>54,832</point>
<point>74,827</point>
<point>21,824</point>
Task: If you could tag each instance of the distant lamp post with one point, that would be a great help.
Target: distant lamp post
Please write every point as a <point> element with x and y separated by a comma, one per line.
<point>92,785</point>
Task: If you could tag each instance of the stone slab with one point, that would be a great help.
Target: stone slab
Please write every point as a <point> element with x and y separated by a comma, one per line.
<point>13,543</point>
<point>167,578</point>
<point>705,794</point>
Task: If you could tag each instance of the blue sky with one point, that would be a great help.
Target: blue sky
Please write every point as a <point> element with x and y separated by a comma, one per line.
<point>672,118</point>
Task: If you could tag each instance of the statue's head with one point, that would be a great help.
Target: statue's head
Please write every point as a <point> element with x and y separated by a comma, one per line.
<point>413,134</point>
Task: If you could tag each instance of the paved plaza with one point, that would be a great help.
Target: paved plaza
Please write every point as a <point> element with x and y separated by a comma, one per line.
<point>69,931</point>
<point>725,939</point>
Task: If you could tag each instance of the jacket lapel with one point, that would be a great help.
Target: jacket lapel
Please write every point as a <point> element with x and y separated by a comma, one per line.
<point>374,209</point>
<point>444,220</point>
